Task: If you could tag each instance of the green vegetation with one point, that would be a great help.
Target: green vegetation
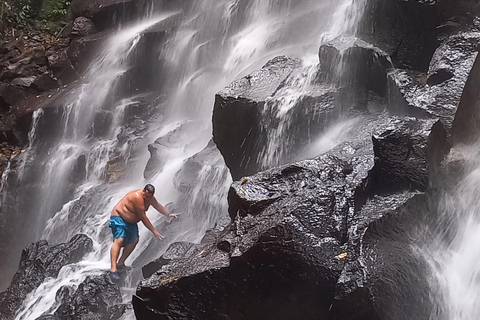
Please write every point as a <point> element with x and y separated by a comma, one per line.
<point>46,15</point>
<point>53,14</point>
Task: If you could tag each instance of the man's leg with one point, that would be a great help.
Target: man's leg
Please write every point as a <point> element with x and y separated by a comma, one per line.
<point>114,252</point>
<point>127,251</point>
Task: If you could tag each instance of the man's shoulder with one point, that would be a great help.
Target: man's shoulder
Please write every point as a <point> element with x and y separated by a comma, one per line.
<point>134,194</point>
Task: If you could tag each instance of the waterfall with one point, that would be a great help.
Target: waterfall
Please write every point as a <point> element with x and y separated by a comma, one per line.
<point>454,254</point>
<point>213,43</point>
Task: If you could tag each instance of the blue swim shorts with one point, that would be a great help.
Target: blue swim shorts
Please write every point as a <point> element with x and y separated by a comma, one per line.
<point>121,229</point>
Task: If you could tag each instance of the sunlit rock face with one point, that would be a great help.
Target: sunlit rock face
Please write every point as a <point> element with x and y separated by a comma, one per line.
<point>38,262</point>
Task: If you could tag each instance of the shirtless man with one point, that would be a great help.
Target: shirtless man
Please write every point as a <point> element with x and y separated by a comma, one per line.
<point>123,222</point>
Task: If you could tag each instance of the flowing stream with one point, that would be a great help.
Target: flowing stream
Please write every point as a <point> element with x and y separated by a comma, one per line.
<point>214,43</point>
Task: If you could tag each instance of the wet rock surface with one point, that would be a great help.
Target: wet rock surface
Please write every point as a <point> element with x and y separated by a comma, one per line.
<point>288,224</point>
<point>38,262</point>
<point>251,114</point>
<point>238,110</point>
<point>400,149</point>
<point>379,252</point>
<point>437,92</point>
<point>466,125</point>
<point>95,298</point>
<point>362,203</point>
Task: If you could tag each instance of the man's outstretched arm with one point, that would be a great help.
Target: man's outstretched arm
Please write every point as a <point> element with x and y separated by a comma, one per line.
<point>162,209</point>
<point>149,225</point>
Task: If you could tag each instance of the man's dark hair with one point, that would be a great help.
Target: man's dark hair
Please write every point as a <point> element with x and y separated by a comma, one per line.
<point>149,188</point>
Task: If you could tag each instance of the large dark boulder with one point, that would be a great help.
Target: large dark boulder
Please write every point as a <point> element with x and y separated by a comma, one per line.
<point>38,262</point>
<point>384,276</point>
<point>288,226</point>
<point>253,126</point>
<point>303,243</point>
<point>95,298</point>
<point>356,66</point>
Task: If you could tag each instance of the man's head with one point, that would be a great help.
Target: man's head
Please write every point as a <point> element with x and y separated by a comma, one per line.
<point>148,191</point>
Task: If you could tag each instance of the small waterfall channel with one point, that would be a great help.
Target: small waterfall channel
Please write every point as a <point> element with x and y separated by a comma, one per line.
<point>454,255</point>
<point>69,167</point>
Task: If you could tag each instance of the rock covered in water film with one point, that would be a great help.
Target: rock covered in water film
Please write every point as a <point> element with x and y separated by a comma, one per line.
<point>254,114</point>
<point>401,160</point>
<point>384,276</point>
<point>277,259</point>
<point>38,262</point>
<point>466,125</point>
<point>95,298</point>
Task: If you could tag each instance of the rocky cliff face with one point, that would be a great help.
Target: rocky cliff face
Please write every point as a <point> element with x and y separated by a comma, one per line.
<point>332,237</point>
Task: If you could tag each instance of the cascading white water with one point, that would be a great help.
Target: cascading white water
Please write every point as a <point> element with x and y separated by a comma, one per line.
<point>215,42</point>
<point>454,255</point>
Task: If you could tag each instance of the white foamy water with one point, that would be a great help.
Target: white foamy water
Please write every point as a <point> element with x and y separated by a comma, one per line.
<point>454,254</point>
<point>213,43</point>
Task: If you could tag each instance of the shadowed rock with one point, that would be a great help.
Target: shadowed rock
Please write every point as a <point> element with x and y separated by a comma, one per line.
<point>355,65</point>
<point>289,224</point>
<point>380,252</point>
<point>38,262</point>
<point>105,13</point>
<point>400,149</point>
<point>95,298</point>
<point>436,93</point>
<point>466,126</point>
<point>406,30</point>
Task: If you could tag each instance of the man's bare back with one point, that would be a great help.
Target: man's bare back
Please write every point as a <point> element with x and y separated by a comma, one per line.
<point>131,207</point>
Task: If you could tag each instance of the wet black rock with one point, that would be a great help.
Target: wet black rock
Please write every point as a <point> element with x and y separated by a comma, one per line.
<point>95,298</point>
<point>82,27</point>
<point>250,115</point>
<point>237,115</point>
<point>38,262</point>
<point>289,224</point>
<point>465,128</point>
<point>406,30</point>
<point>81,51</point>
<point>384,244</point>
<point>401,149</point>
<point>355,65</point>
<point>61,66</point>
<point>437,92</point>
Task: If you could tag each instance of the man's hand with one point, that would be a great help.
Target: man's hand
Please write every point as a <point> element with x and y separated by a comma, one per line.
<point>158,235</point>
<point>175,215</point>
